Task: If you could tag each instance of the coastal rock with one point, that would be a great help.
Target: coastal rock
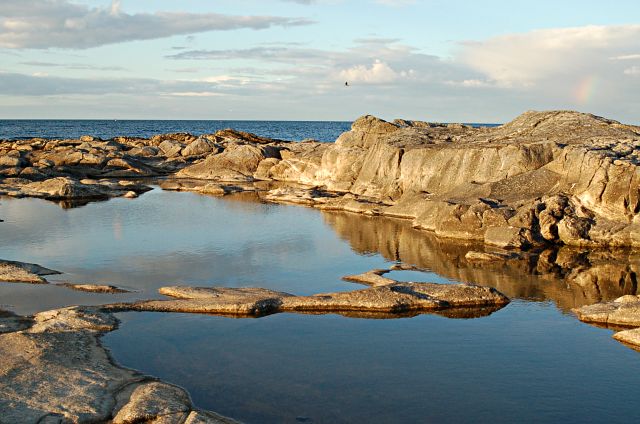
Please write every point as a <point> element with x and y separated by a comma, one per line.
<point>56,370</point>
<point>66,188</point>
<point>22,272</point>
<point>384,296</point>
<point>95,288</point>
<point>201,146</point>
<point>629,337</point>
<point>238,162</point>
<point>569,276</point>
<point>555,177</point>
<point>624,311</point>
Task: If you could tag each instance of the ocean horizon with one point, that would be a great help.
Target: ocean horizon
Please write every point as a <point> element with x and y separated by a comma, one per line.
<point>21,129</point>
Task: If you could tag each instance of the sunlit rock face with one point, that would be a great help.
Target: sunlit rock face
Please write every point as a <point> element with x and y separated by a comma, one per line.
<point>557,177</point>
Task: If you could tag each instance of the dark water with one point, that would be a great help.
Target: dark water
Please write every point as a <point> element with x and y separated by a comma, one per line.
<point>531,361</point>
<point>105,129</point>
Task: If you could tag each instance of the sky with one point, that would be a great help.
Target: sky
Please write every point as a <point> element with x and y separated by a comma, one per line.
<point>451,61</point>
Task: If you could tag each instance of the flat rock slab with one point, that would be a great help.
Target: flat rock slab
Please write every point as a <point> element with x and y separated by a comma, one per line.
<point>372,278</point>
<point>393,298</point>
<point>66,188</point>
<point>629,337</point>
<point>54,369</point>
<point>23,272</point>
<point>624,311</point>
<point>95,288</point>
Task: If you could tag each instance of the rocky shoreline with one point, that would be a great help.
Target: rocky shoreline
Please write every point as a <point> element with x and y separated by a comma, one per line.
<point>54,368</point>
<point>543,195</point>
<point>560,177</point>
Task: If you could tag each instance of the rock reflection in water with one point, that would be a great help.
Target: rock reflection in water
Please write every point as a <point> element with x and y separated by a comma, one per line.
<point>570,277</point>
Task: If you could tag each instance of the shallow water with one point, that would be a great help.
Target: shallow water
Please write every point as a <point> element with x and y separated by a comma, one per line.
<point>531,361</point>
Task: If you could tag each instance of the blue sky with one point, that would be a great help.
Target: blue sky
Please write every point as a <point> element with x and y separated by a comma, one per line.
<point>288,59</point>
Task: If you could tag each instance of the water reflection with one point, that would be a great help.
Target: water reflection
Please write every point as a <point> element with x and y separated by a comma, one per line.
<point>169,238</point>
<point>303,368</point>
<point>570,277</point>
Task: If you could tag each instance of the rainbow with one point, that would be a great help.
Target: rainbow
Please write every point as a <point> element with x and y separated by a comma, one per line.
<point>585,88</point>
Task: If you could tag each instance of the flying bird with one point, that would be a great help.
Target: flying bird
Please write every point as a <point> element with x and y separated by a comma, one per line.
<point>346,83</point>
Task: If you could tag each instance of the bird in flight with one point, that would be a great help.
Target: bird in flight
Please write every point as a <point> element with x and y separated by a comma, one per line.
<point>346,84</point>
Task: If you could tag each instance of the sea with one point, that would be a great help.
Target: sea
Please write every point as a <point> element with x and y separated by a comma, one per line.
<point>106,129</point>
<point>16,129</point>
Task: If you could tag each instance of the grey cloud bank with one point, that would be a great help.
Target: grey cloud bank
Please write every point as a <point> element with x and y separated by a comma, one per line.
<point>42,24</point>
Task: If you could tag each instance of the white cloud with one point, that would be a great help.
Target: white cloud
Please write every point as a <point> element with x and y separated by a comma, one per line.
<point>523,59</point>
<point>471,83</point>
<point>42,24</point>
<point>634,70</point>
<point>627,57</point>
<point>378,73</point>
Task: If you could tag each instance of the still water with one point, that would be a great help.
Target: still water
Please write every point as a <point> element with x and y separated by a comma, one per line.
<point>531,361</point>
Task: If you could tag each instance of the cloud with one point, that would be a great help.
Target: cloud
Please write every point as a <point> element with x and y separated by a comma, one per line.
<point>74,66</point>
<point>378,73</point>
<point>627,57</point>
<point>527,58</point>
<point>264,53</point>
<point>634,70</point>
<point>42,84</point>
<point>42,24</point>
<point>473,83</point>
<point>591,69</point>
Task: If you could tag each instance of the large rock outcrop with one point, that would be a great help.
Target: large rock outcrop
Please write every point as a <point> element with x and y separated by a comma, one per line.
<point>546,177</point>
<point>557,177</point>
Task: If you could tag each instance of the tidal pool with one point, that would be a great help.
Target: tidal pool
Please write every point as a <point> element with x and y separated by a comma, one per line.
<point>531,361</point>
